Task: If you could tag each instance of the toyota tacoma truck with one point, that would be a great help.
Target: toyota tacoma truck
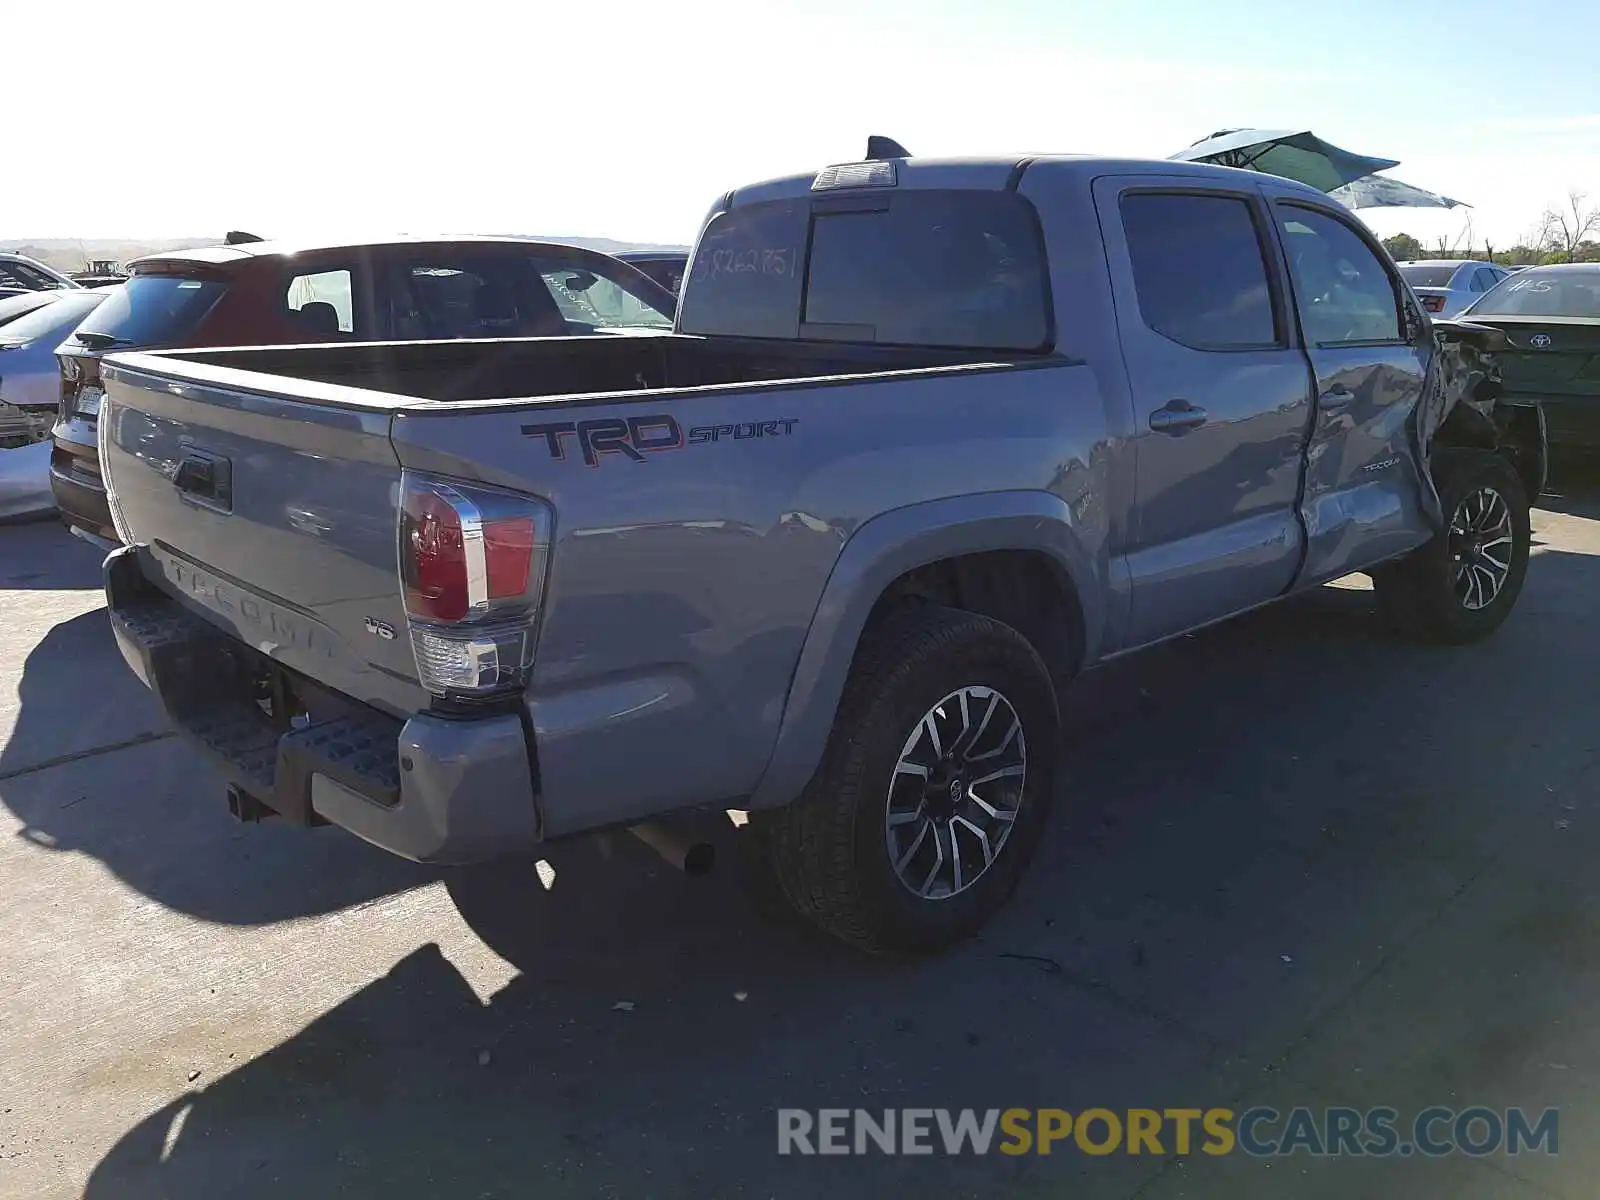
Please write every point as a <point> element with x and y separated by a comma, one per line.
<point>928,439</point>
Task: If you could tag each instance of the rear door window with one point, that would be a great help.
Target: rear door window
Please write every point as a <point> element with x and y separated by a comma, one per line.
<point>154,310</point>
<point>1199,270</point>
<point>947,268</point>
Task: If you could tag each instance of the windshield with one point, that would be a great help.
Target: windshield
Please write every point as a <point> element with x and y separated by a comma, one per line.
<point>1425,275</point>
<point>56,319</point>
<point>1544,293</point>
<point>150,310</point>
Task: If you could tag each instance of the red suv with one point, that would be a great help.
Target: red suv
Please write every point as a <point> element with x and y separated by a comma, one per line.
<point>272,293</point>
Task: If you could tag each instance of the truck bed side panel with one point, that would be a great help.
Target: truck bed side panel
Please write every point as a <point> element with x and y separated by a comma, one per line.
<point>685,574</point>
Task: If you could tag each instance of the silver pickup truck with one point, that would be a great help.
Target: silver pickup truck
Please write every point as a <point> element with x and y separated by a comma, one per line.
<point>930,438</point>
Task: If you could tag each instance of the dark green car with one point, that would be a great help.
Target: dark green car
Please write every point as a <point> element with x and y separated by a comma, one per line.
<point>1551,318</point>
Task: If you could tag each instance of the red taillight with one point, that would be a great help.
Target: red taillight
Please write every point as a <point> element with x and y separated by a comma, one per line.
<point>508,554</point>
<point>472,563</point>
<point>458,557</point>
<point>1433,303</point>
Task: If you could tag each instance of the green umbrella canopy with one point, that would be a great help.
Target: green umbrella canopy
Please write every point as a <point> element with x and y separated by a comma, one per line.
<point>1293,154</point>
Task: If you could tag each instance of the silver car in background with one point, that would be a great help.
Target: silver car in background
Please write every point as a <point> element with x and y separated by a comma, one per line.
<point>30,394</point>
<point>1447,285</point>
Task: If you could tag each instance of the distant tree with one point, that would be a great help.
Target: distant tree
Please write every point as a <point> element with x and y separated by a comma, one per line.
<point>1402,246</point>
<point>1587,252</point>
<point>1562,230</point>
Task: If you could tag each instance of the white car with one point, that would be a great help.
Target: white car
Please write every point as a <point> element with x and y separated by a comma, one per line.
<point>1447,285</point>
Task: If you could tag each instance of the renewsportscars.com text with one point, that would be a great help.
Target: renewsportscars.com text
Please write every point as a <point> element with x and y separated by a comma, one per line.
<point>1259,1132</point>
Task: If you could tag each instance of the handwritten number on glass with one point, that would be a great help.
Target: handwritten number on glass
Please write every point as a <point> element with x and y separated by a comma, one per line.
<point>768,260</point>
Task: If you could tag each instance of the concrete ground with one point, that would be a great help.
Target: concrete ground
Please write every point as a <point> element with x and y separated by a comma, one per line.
<point>1297,862</point>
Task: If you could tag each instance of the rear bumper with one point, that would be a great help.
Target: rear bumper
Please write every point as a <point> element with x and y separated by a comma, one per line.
<point>75,480</point>
<point>430,788</point>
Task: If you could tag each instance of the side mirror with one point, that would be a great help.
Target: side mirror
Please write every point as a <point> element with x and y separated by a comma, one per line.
<point>580,281</point>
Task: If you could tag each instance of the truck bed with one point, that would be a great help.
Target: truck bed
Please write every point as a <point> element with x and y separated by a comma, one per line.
<point>529,368</point>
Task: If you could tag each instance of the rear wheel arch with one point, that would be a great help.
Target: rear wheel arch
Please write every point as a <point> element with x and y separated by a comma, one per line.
<point>1017,557</point>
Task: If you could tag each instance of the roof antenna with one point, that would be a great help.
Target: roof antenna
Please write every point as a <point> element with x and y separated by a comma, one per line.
<point>879,147</point>
<point>238,237</point>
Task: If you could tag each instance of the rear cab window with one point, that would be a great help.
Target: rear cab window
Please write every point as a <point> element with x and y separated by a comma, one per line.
<point>939,268</point>
<point>154,310</point>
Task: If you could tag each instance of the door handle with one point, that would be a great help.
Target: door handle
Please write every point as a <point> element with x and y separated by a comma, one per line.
<point>1178,417</point>
<point>1335,398</point>
<point>205,478</point>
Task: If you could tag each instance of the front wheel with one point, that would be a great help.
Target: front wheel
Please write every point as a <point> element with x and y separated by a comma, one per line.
<point>933,790</point>
<point>1461,585</point>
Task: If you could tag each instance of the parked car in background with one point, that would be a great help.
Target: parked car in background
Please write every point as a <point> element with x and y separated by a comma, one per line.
<point>266,293</point>
<point>666,267</point>
<point>19,273</point>
<point>30,389</point>
<point>20,305</point>
<point>1551,319</point>
<point>1446,285</point>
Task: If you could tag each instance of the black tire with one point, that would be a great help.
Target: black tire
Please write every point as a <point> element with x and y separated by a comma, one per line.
<point>1421,595</point>
<point>829,849</point>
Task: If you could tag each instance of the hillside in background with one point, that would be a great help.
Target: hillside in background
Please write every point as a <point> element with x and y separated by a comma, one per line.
<point>74,254</point>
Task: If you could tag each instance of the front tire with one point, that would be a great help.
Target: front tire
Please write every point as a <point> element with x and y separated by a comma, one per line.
<point>1463,584</point>
<point>933,791</point>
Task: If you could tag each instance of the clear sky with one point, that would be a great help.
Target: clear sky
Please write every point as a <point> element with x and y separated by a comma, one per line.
<point>621,119</point>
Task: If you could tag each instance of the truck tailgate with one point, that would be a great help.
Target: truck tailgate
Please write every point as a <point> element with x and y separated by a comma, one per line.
<point>275,519</point>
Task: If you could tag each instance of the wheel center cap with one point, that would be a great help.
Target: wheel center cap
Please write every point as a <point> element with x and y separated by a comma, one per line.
<point>946,790</point>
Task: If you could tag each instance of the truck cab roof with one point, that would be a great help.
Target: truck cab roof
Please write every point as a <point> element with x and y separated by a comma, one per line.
<point>997,173</point>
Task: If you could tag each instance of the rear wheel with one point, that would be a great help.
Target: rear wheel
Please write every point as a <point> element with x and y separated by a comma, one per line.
<point>1464,583</point>
<point>934,788</point>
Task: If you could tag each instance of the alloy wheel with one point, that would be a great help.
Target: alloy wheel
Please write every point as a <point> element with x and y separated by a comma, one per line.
<point>955,792</point>
<point>1481,540</point>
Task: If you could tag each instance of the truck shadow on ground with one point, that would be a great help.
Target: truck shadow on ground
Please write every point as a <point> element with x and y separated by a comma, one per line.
<point>89,767</point>
<point>40,553</point>
<point>1251,818</point>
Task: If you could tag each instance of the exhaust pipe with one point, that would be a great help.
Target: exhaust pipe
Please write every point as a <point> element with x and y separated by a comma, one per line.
<point>694,859</point>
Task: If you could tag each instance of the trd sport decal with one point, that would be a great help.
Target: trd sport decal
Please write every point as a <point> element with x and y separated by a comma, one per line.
<point>637,436</point>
